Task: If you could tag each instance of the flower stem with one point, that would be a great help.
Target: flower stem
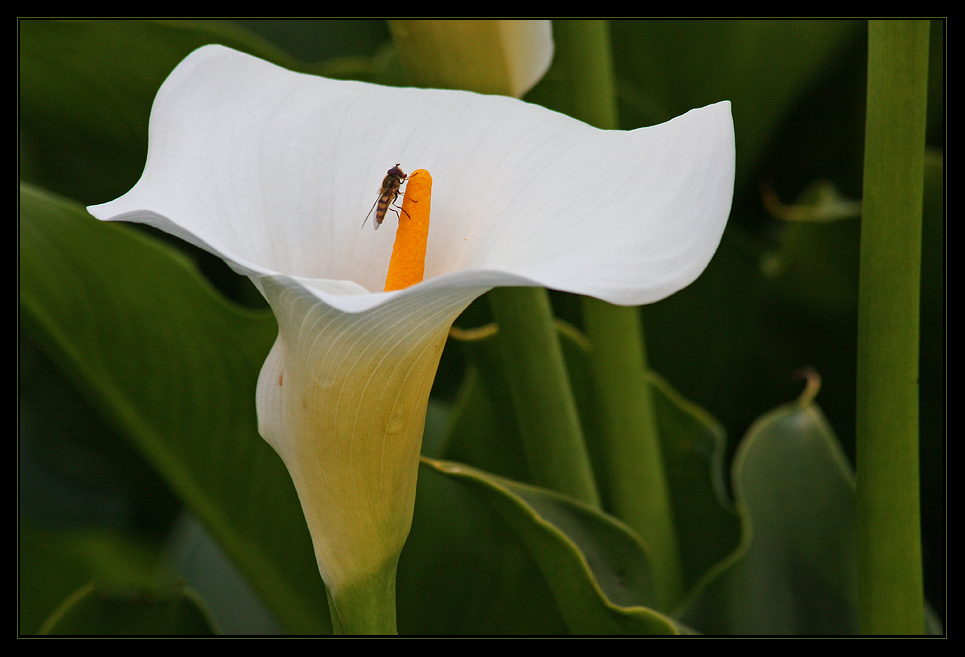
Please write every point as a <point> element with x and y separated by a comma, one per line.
<point>365,607</point>
<point>583,51</point>
<point>549,425</point>
<point>889,543</point>
<point>635,480</point>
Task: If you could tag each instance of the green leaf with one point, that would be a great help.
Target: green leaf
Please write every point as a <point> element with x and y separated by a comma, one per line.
<point>464,571</point>
<point>693,445</point>
<point>483,435</point>
<point>53,564</point>
<point>595,567</point>
<point>794,572</point>
<point>96,611</point>
<point>173,367</point>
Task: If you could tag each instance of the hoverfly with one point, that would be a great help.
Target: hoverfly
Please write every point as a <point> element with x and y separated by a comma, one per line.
<point>387,195</point>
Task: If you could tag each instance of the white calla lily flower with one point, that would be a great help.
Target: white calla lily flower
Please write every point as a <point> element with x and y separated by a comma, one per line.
<point>274,171</point>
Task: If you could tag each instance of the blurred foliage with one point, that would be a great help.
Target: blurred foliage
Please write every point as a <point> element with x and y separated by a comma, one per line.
<point>101,481</point>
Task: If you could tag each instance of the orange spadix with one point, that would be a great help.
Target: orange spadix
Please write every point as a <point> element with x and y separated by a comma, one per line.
<point>408,264</point>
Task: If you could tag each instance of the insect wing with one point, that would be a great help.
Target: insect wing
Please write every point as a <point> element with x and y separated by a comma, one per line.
<point>370,213</point>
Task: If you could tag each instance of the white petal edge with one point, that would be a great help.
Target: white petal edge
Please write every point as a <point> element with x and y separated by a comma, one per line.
<point>522,195</point>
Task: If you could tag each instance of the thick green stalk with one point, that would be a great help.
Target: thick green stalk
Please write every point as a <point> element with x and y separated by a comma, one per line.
<point>366,607</point>
<point>583,52</point>
<point>889,543</point>
<point>549,425</point>
<point>635,480</point>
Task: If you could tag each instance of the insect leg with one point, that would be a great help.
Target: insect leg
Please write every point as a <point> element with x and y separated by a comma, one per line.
<point>399,207</point>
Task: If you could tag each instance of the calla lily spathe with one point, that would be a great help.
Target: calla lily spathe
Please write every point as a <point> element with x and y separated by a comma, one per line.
<point>274,171</point>
<point>493,56</point>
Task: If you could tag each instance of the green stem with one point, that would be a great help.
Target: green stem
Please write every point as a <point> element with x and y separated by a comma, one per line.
<point>635,476</point>
<point>365,607</point>
<point>549,425</point>
<point>889,543</point>
<point>583,52</point>
<point>635,480</point>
